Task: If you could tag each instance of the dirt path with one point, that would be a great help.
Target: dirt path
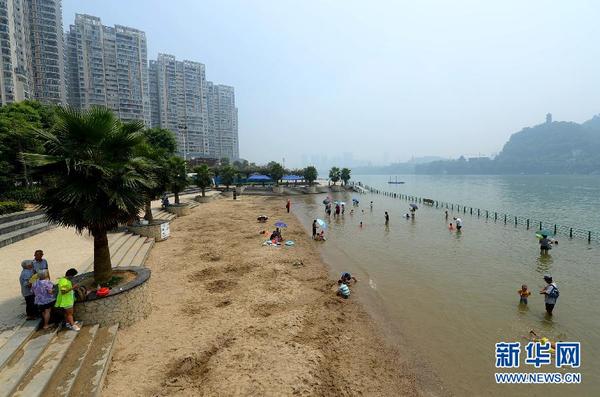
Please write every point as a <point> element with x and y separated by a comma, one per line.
<point>233,317</point>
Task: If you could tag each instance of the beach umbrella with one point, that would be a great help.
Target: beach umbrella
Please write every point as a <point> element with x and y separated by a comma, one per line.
<point>322,223</point>
<point>545,232</point>
<point>414,206</point>
<point>280,224</point>
<point>342,203</point>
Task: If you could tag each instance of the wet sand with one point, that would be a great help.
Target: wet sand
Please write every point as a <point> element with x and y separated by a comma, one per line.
<point>233,317</point>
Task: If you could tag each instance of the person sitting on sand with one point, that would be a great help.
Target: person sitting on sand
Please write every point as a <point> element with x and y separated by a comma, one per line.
<point>347,277</point>
<point>524,294</point>
<point>276,235</point>
<point>343,290</point>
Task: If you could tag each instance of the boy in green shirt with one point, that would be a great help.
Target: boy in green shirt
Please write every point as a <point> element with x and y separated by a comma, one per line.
<point>65,298</point>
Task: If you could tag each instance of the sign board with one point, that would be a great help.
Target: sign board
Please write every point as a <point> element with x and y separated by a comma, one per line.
<point>164,231</point>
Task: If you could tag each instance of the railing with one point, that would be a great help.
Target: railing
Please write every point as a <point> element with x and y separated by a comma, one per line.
<point>496,216</point>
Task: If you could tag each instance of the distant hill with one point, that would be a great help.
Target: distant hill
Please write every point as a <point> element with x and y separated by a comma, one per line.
<point>554,147</point>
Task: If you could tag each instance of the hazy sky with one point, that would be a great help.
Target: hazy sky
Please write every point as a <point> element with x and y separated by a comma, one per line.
<point>379,79</point>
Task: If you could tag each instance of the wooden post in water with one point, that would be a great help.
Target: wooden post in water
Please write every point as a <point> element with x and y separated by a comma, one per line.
<point>487,214</point>
<point>495,216</point>
<point>589,236</point>
<point>515,221</point>
<point>505,219</point>
<point>540,225</point>
<point>527,224</point>
<point>571,232</point>
<point>477,212</point>
<point>471,210</point>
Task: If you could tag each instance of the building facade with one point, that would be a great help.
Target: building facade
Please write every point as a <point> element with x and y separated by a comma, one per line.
<point>179,103</point>
<point>47,52</point>
<point>108,66</point>
<point>31,48</point>
<point>223,122</point>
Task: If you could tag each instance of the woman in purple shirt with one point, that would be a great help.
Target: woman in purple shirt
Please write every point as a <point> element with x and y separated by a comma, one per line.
<point>43,289</point>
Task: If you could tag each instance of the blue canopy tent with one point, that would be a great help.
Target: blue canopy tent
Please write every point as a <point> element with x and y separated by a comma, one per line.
<point>258,178</point>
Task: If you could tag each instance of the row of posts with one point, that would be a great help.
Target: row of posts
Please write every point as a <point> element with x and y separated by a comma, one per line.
<point>464,208</point>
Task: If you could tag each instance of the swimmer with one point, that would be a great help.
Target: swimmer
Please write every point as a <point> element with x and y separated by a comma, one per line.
<point>450,227</point>
<point>361,224</point>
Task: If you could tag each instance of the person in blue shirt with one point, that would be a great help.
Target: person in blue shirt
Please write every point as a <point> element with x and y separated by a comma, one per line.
<point>24,281</point>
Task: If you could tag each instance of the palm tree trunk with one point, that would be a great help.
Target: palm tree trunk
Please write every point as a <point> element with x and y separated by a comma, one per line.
<point>148,211</point>
<point>203,193</point>
<point>102,265</point>
<point>176,197</point>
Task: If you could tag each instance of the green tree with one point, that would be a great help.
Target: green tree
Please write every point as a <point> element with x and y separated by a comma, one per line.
<point>334,174</point>
<point>345,175</point>
<point>311,174</point>
<point>96,177</point>
<point>227,174</point>
<point>18,121</point>
<point>203,177</point>
<point>157,147</point>
<point>178,176</point>
<point>275,171</point>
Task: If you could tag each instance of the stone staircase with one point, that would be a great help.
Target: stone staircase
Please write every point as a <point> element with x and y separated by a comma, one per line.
<point>20,225</point>
<point>159,213</point>
<point>60,362</point>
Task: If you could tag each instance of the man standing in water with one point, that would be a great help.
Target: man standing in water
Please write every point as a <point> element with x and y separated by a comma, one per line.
<point>387,218</point>
<point>550,292</point>
<point>314,229</point>
<point>458,224</point>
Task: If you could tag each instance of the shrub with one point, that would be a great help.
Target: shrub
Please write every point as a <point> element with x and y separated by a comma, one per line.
<point>7,207</point>
<point>23,195</point>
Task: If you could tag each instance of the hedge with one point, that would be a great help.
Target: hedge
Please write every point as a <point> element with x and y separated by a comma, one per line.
<point>6,207</point>
<point>22,195</point>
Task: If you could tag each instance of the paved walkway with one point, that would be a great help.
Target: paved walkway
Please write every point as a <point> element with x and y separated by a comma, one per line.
<point>63,249</point>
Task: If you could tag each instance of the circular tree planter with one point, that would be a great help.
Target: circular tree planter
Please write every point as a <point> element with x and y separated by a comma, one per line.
<point>158,229</point>
<point>125,304</point>
<point>336,188</point>
<point>278,189</point>
<point>204,199</point>
<point>179,209</point>
<point>311,189</point>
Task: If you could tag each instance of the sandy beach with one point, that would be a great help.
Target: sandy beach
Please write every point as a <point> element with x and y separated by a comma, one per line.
<point>233,317</point>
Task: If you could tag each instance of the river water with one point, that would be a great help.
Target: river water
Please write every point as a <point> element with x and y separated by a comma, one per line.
<point>451,296</point>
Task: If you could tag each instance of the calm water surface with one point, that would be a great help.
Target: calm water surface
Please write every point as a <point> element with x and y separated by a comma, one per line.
<point>452,296</point>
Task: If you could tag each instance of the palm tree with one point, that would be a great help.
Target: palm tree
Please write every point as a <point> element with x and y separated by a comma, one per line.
<point>203,177</point>
<point>95,178</point>
<point>345,175</point>
<point>178,176</point>
<point>228,174</point>
<point>334,174</point>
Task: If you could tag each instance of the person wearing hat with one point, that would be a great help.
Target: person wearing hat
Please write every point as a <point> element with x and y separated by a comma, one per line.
<point>550,292</point>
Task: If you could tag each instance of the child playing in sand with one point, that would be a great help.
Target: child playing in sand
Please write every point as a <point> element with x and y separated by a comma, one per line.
<point>524,293</point>
<point>343,290</point>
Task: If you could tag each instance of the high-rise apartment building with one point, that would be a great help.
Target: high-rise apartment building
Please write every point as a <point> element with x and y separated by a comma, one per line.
<point>47,52</point>
<point>31,48</point>
<point>108,66</point>
<point>178,103</point>
<point>223,122</point>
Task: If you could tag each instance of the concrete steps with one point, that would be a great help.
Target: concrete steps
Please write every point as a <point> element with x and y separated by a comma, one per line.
<point>61,384</point>
<point>124,247</point>
<point>20,225</point>
<point>15,370</point>
<point>159,213</point>
<point>95,365</point>
<point>14,341</point>
<point>23,233</point>
<point>60,363</point>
